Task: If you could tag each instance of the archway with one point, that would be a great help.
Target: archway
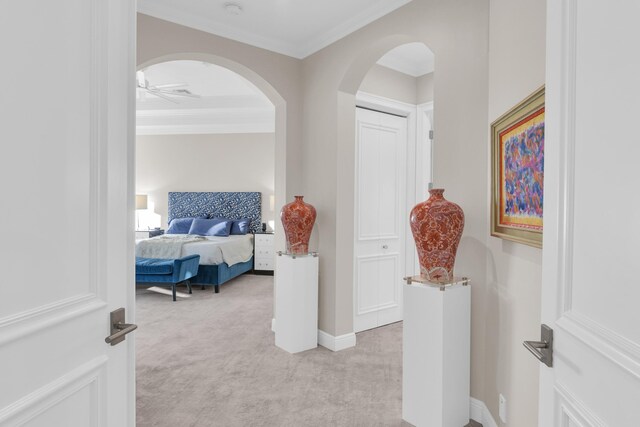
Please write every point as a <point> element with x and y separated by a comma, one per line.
<point>270,92</point>
<point>346,108</point>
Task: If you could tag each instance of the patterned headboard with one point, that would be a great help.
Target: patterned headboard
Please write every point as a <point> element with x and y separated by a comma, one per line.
<point>217,205</point>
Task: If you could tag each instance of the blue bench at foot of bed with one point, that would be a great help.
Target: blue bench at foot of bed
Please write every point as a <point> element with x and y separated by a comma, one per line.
<point>167,271</point>
<point>216,275</point>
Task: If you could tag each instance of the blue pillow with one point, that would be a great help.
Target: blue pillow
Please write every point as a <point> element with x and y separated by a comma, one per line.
<point>211,227</point>
<point>180,226</point>
<point>240,226</point>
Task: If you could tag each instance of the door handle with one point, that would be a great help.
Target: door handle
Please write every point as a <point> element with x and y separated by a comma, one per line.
<point>118,328</point>
<point>385,246</point>
<point>542,350</point>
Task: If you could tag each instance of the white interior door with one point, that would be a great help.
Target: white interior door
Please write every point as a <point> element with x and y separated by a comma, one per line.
<point>67,256</point>
<point>380,218</point>
<point>592,215</point>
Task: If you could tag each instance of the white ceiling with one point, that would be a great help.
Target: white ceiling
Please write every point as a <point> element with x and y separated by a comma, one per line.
<point>228,102</point>
<point>296,28</point>
<point>414,59</point>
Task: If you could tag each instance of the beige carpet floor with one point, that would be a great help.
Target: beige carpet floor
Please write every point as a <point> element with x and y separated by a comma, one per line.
<point>210,360</point>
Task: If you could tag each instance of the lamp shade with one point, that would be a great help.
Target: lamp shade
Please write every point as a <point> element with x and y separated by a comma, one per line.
<point>141,201</point>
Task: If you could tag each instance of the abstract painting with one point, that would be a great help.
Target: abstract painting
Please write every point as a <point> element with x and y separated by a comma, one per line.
<point>518,172</point>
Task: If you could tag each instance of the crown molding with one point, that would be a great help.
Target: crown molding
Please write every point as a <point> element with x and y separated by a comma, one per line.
<point>354,24</point>
<point>200,23</point>
<point>204,121</point>
<point>297,49</point>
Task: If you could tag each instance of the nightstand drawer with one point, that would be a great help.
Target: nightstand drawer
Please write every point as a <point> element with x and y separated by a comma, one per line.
<point>264,252</point>
<point>263,264</point>
<point>264,240</point>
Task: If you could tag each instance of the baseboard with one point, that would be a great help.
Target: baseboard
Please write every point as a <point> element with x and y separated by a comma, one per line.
<point>336,343</point>
<point>479,412</point>
<point>329,341</point>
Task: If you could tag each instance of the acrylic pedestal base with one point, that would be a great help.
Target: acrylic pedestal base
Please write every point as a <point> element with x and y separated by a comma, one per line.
<point>436,353</point>
<point>296,293</point>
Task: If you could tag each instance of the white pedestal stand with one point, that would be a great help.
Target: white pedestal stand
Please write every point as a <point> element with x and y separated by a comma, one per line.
<point>436,353</point>
<point>296,283</point>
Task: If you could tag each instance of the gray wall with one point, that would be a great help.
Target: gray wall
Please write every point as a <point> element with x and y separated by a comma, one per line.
<point>512,313</point>
<point>228,162</point>
<point>388,83</point>
<point>457,32</point>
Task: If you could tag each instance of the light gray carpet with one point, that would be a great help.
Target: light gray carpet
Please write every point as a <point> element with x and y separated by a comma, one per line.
<point>210,360</point>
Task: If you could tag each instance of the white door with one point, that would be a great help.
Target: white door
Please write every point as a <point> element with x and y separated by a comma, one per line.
<point>381,218</point>
<point>66,261</point>
<point>590,285</point>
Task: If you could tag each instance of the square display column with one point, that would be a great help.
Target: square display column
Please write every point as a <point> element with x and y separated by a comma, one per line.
<point>436,348</point>
<point>296,283</point>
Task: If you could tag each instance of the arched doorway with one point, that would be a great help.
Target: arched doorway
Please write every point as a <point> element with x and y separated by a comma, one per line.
<point>392,172</point>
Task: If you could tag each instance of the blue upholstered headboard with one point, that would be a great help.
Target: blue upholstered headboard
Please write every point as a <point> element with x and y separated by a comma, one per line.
<point>217,205</point>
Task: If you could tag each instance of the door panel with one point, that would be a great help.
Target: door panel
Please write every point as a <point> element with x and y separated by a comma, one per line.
<point>380,219</point>
<point>591,216</point>
<point>67,260</point>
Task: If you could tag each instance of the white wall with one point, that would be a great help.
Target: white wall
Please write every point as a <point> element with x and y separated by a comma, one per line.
<point>227,162</point>
<point>516,69</point>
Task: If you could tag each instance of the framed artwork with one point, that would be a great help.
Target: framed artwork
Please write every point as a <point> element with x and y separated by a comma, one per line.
<point>517,172</point>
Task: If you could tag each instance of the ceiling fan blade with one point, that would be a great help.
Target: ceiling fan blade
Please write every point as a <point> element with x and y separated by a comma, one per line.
<point>176,93</point>
<point>161,95</point>
<point>169,86</point>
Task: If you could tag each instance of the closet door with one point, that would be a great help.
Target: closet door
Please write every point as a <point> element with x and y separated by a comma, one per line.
<point>380,218</point>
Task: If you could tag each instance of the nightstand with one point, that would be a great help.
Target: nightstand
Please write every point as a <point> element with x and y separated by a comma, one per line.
<point>263,253</point>
<point>146,234</point>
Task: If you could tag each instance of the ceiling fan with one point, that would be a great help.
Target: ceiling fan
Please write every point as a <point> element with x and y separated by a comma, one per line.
<point>164,91</point>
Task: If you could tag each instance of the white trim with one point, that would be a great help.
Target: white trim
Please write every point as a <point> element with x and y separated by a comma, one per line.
<point>204,121</point>
<point>338,343</point>
<point>46,397</point>
<point>222,128</point>
<point>46,316</point>
<point>392,106</point>
<point>611,345</point>
<point>479,412</point>
<point>328,341</point>
<point>297,49</point>
<point>572,410</point>
<point>387,105</point>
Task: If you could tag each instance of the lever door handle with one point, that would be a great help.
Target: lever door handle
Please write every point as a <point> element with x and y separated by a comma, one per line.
<point>118,328</point>
<point>542,350</point>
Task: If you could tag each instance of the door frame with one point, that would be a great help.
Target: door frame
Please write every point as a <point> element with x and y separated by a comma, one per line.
<point>409,111</point>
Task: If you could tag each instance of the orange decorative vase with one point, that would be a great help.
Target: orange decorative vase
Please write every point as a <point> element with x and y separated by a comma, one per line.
<point>297,219</point>
<point>437,226</point>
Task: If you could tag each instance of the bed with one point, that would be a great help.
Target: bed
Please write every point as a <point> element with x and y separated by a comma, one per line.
<point>221,258</point>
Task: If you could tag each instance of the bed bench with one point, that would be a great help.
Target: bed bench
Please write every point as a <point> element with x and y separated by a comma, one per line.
<point>167,271</point>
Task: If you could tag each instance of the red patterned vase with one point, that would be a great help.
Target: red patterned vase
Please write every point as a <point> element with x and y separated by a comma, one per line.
<point>297,219</point>
<point>437,227</point>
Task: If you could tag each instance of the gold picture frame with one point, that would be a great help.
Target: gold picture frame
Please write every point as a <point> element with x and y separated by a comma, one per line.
<point>517,171</point>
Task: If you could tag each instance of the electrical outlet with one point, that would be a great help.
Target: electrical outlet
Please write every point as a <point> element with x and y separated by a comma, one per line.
<point>502,408</point>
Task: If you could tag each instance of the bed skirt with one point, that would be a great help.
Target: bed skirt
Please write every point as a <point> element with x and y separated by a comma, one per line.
<point>216,275</point>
